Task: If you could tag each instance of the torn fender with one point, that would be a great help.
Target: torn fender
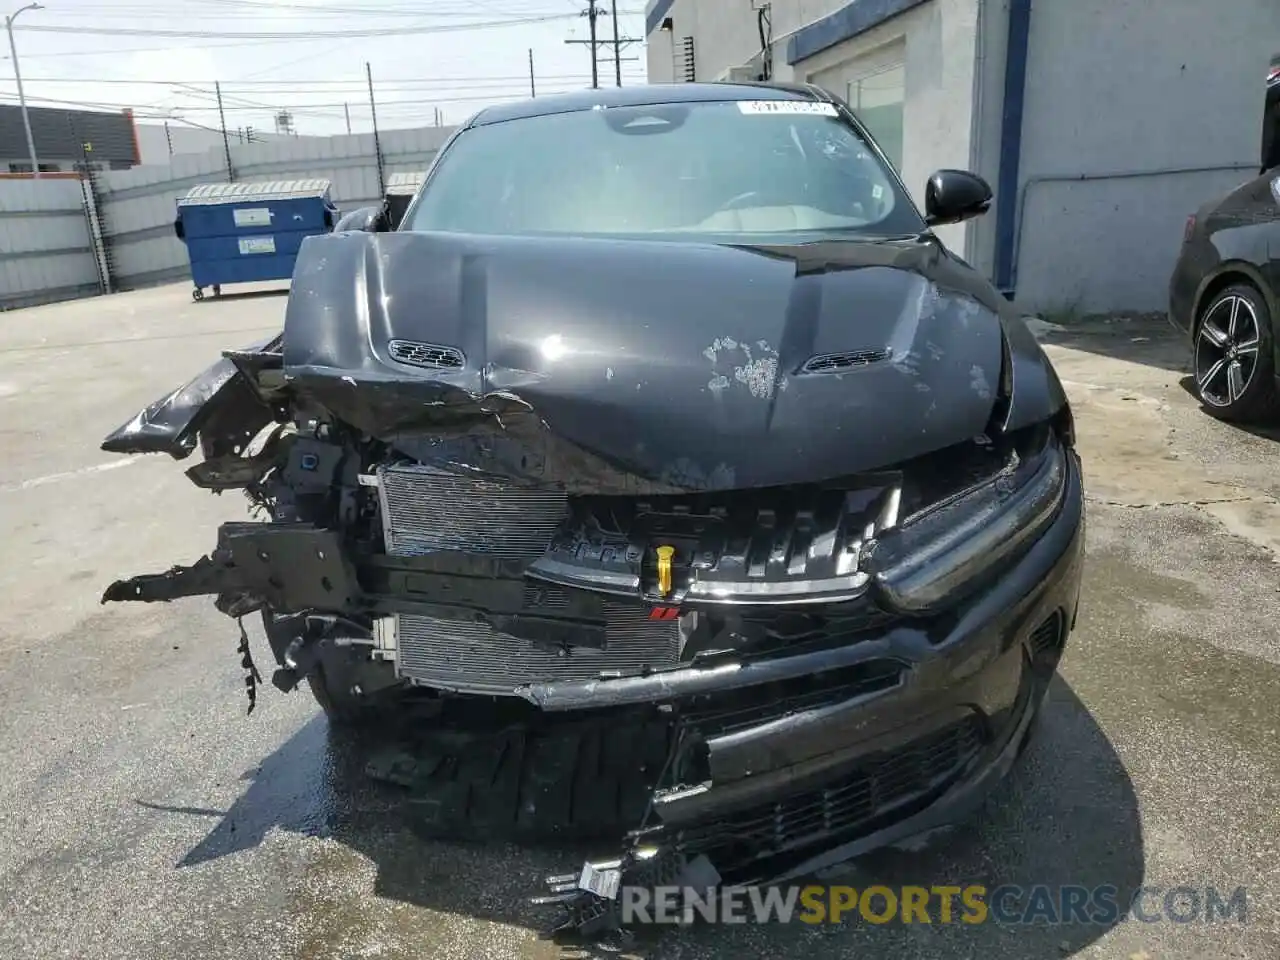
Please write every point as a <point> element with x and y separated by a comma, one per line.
<point>219,402</point>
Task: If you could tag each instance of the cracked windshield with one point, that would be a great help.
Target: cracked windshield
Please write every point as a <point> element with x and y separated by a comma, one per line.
<point>640,479</point>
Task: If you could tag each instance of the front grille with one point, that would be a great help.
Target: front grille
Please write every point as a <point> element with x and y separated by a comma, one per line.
<point>744,546</point>
<point>877,786</point>
<point>474,658</point>
<point>429,355</point>
<point>425,510</point>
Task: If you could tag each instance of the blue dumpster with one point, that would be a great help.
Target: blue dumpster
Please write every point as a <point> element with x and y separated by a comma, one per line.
<point>247,232</point>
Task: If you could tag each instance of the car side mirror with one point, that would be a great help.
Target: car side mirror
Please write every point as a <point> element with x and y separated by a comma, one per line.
<point>952,196</point>
<point>364,219</point>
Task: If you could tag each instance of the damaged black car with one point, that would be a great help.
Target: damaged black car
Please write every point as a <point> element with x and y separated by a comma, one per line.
<point>661,479</point>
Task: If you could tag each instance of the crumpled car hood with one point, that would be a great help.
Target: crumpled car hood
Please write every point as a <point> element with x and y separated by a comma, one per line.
<point>693,365</point>
<point>620,366</point>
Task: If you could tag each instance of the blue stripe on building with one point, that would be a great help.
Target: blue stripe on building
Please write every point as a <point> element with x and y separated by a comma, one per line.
<point>1015,90</point>
<point>654,17</point>
<point>845,24</point>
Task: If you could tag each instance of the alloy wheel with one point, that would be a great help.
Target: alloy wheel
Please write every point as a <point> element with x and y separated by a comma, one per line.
<point>1227,351</point>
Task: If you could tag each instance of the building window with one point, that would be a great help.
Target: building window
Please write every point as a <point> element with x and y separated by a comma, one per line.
<point>26,168</point>
<point>878,100</point>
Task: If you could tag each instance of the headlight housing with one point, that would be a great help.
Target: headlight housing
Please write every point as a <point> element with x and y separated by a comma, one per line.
<point>946,550</point>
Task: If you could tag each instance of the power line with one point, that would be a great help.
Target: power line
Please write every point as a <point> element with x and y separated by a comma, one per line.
<point>304,84</point>
<point>417,101</point>
<point>117,51</point>
<point>291,35</point>
<point>120,10</point>
<point>181,94</point>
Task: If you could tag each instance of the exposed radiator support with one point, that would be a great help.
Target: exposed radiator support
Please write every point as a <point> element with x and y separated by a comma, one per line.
<point>425,511</point>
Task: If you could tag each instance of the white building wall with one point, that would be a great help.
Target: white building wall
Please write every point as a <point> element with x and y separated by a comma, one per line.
<point>727,33</point>
<point>1132,87</point>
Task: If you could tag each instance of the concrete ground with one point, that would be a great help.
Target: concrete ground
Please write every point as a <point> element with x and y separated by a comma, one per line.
<point>143,815</point>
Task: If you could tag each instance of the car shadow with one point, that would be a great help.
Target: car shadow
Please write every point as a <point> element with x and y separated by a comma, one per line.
<point>1266,431</point>
<point>245,295</point>
<point>1068,816</point>
<point>1147,339</point>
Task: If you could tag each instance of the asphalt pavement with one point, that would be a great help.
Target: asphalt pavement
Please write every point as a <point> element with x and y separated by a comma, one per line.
<point>144,815</point>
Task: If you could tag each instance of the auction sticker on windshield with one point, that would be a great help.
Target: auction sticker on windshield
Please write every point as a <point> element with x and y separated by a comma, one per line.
<point>759,107</point>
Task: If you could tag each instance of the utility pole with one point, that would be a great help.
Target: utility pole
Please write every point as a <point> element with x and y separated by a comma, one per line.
<point>592,13</point>
<point>17,75</point>
<point>226,143</point>
<point>617,44</point>
<point>346,111</point>
<point>377,144</point>
<point>533,89</point>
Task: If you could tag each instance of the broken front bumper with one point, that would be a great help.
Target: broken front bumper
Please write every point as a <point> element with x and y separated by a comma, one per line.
<point>788,754</point>
<point>917,725</point>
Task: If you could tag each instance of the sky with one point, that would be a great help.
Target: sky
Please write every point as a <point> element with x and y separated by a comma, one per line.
<point>162,57</point>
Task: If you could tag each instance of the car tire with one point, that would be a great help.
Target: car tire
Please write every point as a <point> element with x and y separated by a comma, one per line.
<point>337,683</point>
<point>1233,359</point>
<point>340,705</point>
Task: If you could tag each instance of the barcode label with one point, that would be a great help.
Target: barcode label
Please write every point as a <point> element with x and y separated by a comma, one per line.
<point>792,107</point>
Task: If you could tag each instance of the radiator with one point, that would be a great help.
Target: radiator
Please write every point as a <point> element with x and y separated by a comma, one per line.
<point>425,511</point>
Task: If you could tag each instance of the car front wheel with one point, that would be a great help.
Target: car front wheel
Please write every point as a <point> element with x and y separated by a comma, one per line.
<point>1234,362</point>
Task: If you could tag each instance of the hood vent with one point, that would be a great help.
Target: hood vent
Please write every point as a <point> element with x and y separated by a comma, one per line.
<point>840,362</point>
<point>430,355</point>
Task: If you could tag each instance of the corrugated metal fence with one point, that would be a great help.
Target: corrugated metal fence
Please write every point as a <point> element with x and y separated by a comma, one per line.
<point>46,244</point>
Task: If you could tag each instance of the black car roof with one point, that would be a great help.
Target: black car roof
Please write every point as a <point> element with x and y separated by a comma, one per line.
<point>643,95</point>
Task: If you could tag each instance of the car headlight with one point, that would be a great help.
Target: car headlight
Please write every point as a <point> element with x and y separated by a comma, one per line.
<point>943,552</point>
